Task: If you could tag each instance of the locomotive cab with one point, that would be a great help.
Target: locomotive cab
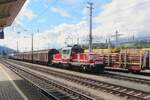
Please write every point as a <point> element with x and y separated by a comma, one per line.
<point>77,49</point>
<point>73,57</point>
<point>66,54</point>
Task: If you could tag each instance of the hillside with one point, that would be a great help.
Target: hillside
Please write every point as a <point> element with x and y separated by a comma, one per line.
<point>5,50</point>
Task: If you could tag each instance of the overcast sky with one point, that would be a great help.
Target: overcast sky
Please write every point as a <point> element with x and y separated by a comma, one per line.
<point>52,21</point>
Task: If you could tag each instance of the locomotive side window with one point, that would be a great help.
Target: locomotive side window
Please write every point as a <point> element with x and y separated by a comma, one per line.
<point>66,51</point>
<point>77,49</point>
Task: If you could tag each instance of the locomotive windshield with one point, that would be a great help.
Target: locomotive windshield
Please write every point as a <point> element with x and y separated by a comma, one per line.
<point>66,51</point>
<point>77,49</point>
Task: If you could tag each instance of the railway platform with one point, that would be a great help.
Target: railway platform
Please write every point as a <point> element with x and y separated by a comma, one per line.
<point>8,89</point>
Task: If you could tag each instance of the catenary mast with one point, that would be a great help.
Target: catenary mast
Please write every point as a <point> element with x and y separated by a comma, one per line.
<point>90,6</point>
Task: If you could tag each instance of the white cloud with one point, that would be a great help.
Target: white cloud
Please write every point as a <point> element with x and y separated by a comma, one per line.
<point>26,13</point>
<point>128,16</point>
<point>56,36</point>
<point>42,20</point>
<point>60,11</point>
<point>53,38</point>
<point>85,11</point>
<point>72,2</point>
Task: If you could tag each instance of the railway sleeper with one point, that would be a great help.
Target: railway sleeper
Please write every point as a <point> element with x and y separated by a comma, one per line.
<point>127,91</point>
<point>77,94</point>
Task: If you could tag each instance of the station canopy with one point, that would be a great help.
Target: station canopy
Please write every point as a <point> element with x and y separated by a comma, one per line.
<point>9,9</point>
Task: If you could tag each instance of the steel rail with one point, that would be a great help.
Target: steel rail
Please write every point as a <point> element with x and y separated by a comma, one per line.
<point>73,94</point>
<point>95,84</point>
<point>109,75</point>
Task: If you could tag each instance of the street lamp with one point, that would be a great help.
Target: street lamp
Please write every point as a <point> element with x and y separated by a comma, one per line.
<point>32,46</point>
<point>18,42</point>
<point>32,37</point>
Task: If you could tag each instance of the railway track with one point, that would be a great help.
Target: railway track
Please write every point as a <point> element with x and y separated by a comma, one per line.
<point>125,92</point>
<point>127,78</point>
<point>52,89</point>
<point>126,71</point>
<point>107,75</point>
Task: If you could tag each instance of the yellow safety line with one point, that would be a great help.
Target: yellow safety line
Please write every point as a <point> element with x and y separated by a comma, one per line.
<point>17,88</point>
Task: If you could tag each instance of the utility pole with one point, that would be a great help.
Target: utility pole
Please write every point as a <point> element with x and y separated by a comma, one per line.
<point>32,46</point>
<point>38,38</point>
<point>90,6</point>
<point>77,35</point>
<point>18,41</point>
<point>17,47</point>
<point>117,37</point>
<point>109,43</point>
<point>78,40</point>
<point>106,43</point>
<point>133,37</point>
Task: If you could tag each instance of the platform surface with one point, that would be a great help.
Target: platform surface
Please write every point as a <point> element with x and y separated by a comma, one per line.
<point>8,89</point>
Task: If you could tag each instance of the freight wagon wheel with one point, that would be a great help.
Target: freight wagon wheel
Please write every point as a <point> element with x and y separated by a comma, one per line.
<point>133,71</point>
<point>69,66</point>
<point>83,68</point>
<point>130,71</point>
<point>98,68</point>
<point>56,65</point>
<point>50,64</point>
<point>136,71</point>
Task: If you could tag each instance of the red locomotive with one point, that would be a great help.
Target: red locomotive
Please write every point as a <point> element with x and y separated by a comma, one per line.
<point>75,56</point>
<point>71,57</point>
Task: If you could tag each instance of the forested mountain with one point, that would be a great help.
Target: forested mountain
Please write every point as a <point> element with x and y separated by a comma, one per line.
<point>5,50</point>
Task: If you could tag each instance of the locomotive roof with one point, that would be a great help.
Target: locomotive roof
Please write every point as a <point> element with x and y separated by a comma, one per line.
<point>75,48</point>
<point>66,48</point>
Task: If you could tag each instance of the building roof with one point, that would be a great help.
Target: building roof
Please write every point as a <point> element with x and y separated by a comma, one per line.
<point>9,9</point>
